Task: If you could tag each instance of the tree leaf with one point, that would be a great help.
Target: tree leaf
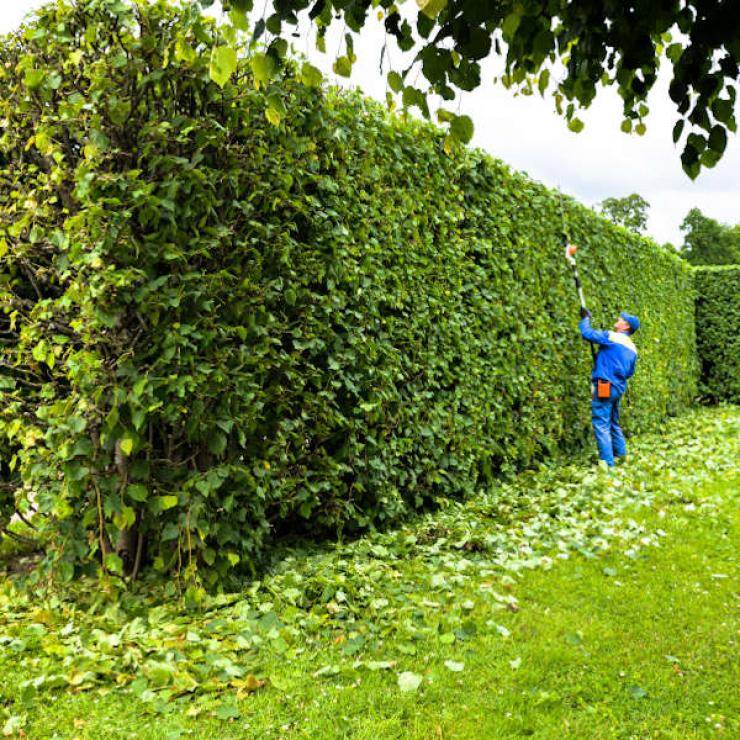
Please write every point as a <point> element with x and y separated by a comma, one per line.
<point>395,82</point>
<point>223,64</point>
<point>462,129</point>
<point>343,66</point>
<point>263,69</point>
<point>431,8</point>
<point>311,76</point>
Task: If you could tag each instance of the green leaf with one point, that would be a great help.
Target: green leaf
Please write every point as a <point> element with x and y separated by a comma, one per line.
<point>678,130</point>
<point>217,440</point>
<point>343,66</point>
<point>167,502</point>
<point>39,352</point>
<point>451,665</point>
<point>137,492</point>
<point>718,139</point>
<point>66,570</point>
<point>34,78</point>
<point>431,8</point>
<point>462,129</point>
<point>637,692</point>
<point>544,81</point>
<point>379,665</point>
<point>674,52</point>
<point>127,445</point>
<point>227,711</point>
<point>409,682</point>
<point>510,25</point>
<point>239,19</point>
<point>263,69</point>
<point>113,563</point>
<point>395,81</point>
<point>170,531</point>
<point>233,558</point>
<point>125,518</point>
<point>576,125</point>
<point>311,76</point>
<point>276,103</point>
<point>159,673</point>
<point>223,64</point>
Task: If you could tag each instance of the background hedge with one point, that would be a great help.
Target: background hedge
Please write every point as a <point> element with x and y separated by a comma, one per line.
<point>216,329</point>
<point>718,331</point>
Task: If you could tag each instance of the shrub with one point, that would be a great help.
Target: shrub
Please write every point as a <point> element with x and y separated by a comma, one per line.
<point>216,329</point>
<point>718,331</point>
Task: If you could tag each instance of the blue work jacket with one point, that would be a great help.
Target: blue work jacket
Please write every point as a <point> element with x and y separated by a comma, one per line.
<point>616,358</point>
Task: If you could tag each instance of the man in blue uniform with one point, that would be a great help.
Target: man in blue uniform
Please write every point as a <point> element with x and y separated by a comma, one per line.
<point>614,365</point>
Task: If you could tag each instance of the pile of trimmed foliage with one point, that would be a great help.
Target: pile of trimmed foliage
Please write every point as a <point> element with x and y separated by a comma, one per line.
<point>217,327</point>
<point>718,331</point>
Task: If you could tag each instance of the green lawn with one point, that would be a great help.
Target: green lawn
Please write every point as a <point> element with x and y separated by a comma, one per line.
<point>569,603</point>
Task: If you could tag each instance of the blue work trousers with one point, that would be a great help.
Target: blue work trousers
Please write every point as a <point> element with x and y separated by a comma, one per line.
<point>608,433</point>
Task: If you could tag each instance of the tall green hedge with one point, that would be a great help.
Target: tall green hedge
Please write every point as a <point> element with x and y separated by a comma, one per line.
<point>216,329</point>
<point>718,331</point>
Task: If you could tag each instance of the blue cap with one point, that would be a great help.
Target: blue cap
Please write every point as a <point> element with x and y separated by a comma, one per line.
<point>633,321</point>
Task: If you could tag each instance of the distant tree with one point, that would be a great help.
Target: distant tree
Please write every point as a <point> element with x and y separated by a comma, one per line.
<point>708,242</point>
<point>630,212</point>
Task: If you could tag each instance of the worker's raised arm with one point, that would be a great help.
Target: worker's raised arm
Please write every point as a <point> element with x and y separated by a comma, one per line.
<point>596,336</point>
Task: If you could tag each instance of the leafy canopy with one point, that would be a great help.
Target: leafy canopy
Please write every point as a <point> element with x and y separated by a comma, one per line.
<point>708,242</point>
<point>568,48</point>
<point>630,212</point>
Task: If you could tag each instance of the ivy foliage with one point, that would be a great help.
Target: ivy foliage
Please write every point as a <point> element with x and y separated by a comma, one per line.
<point>218,326</point>
<point>717,331</point>
<point>588,44</point>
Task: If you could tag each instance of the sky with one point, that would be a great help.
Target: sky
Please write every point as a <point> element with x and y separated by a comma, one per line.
<point>527,134</point>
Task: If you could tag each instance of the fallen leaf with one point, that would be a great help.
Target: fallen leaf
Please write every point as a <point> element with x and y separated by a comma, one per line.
<point>227,711</point>
<point>408,681</point>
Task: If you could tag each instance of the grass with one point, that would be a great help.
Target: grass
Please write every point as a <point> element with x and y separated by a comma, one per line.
<point>628,631</point>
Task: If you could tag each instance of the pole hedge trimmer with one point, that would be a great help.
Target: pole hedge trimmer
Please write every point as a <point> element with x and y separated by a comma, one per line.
<point>570,256</point>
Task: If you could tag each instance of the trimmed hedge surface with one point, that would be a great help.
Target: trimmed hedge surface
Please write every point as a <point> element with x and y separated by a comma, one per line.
<point>718,331</point>
<point>216,329</point>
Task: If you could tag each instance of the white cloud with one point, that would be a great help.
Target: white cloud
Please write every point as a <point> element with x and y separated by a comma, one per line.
<point>13,12</point>
<point>525,132</point>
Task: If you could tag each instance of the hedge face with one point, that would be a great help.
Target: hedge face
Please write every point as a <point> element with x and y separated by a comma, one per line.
<point>718,331</point>
<point>215,329</point>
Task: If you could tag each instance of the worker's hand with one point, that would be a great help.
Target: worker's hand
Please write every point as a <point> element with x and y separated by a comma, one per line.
<point>585,313</point>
